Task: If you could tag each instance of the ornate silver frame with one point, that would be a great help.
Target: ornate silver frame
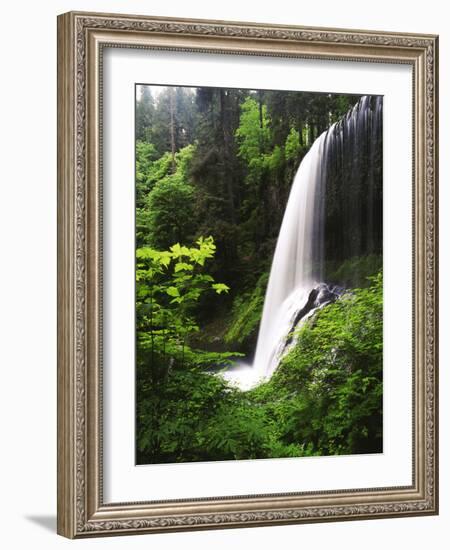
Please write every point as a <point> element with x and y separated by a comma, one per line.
<point>81,37</point>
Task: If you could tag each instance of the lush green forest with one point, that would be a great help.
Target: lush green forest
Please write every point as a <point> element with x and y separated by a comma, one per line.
<point>214,168</point>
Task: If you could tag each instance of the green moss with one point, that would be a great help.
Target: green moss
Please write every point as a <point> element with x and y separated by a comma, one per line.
<point>353,272</point>
<point>246,314</point>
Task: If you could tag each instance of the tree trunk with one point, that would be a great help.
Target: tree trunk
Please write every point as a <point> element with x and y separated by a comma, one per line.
<point>260,109</point>
<point>226,135</point>
<point>172,128</point>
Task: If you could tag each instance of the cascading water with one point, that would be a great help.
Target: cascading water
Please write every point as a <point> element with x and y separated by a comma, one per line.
<point>295,290</point>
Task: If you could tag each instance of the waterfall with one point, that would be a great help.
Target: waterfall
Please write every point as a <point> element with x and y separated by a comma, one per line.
<point>296,263</point>
<point>295,289</point>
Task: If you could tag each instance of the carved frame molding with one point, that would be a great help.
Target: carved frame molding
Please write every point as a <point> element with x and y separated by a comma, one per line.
<point>81,37</point>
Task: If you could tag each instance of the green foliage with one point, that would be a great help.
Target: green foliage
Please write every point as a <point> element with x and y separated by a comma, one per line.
<point>168,212</point>
<point>145,113</point>
<point>171,418</point>
<point>253,134</point>
<point>221,162</point>
<point>353,272</point>
<point>145,158</point>
<point>292,147</point>
<point>170,116</point>
<point>332,378</point>
<point>169,284</point>
<point>325,398</point>
<point>237,431</point>
<point>246,314</point>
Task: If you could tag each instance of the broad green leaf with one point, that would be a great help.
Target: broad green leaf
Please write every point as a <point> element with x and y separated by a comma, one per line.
<point>172,291</point>
<point>220,287</point>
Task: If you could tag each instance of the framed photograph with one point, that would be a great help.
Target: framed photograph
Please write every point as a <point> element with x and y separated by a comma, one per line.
<point>247,276</point>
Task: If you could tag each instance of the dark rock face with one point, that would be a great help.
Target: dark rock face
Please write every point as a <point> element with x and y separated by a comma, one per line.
<point>352,200</point>
<point>322,295</point>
